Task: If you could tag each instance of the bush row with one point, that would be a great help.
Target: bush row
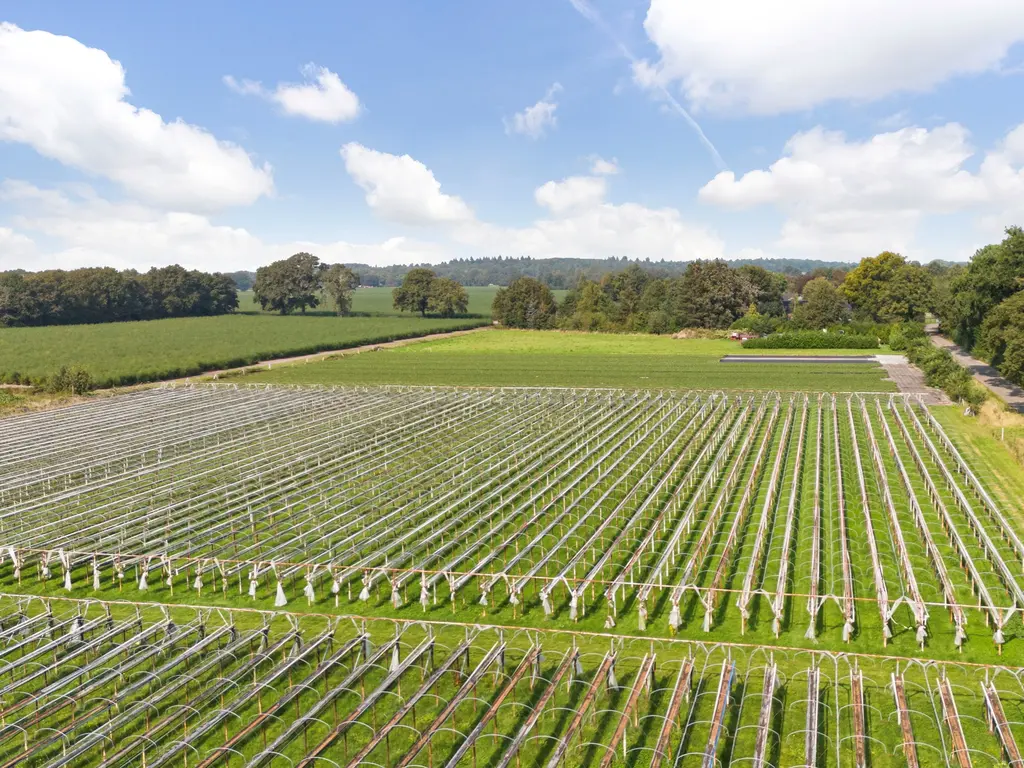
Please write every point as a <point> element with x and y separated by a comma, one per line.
<point>813,340</point>
<point>942,371</point>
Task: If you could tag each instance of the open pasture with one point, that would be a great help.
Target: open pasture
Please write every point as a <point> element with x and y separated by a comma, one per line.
<point>511,358</point>
<point>105,685</point>
<point>842,522</point>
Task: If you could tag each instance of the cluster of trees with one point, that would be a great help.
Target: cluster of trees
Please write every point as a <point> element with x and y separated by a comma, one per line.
<point>103,294</point>
<point>423,291</point>
<point>981,304</point>
<point>708,294</point>
<point>712,294</point>
<point>299,281</point>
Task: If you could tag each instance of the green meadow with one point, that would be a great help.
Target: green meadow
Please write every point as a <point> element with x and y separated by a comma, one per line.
<point>551,358</point>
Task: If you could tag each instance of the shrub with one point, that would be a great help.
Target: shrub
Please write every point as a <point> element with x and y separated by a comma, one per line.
<point>902,334</point>
<point>812,340</point>
<point>757,323</point>
<point>69,381</point>
<point>942,371</point>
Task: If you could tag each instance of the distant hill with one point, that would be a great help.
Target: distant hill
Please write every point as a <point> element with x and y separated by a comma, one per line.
<point>557,272</point>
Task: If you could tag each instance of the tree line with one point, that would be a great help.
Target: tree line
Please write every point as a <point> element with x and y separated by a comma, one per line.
<point>103,294</point>
<point>981,304</point>
<point>712,294</point>
<point>556,273</point>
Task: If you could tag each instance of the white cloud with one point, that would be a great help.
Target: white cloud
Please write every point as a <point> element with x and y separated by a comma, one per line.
<point>322,97</point>
<point>16,250</point>
<point>536,119</point>
<point>580,222</point>
<point>601,167</point>
<point>855,197</point>
<point>91,231</point>
<point>571,194</point>
<point>69,103</point>
<point>769,56</point>
<point>401,189</point>
<point>600,231</point>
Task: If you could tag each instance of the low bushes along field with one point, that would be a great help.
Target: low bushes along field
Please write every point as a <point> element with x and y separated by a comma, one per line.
<point>813,340</point>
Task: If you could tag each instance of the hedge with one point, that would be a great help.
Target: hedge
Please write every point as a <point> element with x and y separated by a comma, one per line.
<point>813,340</point>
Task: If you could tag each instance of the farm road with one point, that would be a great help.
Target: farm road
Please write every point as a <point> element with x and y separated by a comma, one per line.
<point>983,373</point>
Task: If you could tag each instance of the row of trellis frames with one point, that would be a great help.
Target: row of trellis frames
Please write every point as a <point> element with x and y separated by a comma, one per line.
<point>222,670</point>
<point>454,532</point>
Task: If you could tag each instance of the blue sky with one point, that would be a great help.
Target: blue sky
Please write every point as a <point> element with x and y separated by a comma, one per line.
<point>235,133</point>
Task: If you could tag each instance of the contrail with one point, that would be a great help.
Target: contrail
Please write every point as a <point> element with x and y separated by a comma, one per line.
<point>590,14</point>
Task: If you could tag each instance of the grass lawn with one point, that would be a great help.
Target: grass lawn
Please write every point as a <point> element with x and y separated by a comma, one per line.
<point>124,353</point>
<point>549,358</point>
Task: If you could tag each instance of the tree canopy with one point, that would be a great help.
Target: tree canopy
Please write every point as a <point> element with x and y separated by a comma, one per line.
<point>526,303</point>
<point>289,284</point>
<point>413,295</point>
<point>339,282</point>
<point>447,298</point>
<point>886,288</point>
<point>994,274</point>
<point>103,295</point>
<point>822,306</point>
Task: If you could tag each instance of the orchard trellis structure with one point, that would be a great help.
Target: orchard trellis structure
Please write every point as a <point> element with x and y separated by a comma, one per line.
<point>158,686</point>
<point>643,511</point>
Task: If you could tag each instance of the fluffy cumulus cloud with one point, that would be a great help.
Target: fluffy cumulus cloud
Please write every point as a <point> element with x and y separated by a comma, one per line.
<point>769,56</point>
<point>88,230</point>
<point>853,197</point>
<point>401,189</point>
<point>16,249</point>
<point>535,120</point>
<point>70,103</point>
<point>580,222</point>
<point>322,96</point>
<point>601,167</point>
<point>571,194</point>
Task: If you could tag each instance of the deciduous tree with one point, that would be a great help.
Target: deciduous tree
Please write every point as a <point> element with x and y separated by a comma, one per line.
<point>822,306</point>
<point>447,297</point>
<point>886,288</point>
<point>339,282</point>
<point>413,295</point>
<point>525,303</point>
<point>289,284</point>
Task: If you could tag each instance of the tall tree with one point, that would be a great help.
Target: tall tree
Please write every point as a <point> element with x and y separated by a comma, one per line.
<point>447,297</point>
<point>886,288</point>
<point>289,284</point>
<point>769,287</point>
<point>339,282</point>
<point>413,295</point>
<point>709,294</point>
<point>822,306</point>
<point>526,303</point>
<point>995,273</point>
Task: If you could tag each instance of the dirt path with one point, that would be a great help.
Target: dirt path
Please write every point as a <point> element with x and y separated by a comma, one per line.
<point>983,373</point>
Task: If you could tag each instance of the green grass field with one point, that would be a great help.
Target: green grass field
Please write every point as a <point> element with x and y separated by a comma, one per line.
<point>548,358</point>
<point>125,353</point>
